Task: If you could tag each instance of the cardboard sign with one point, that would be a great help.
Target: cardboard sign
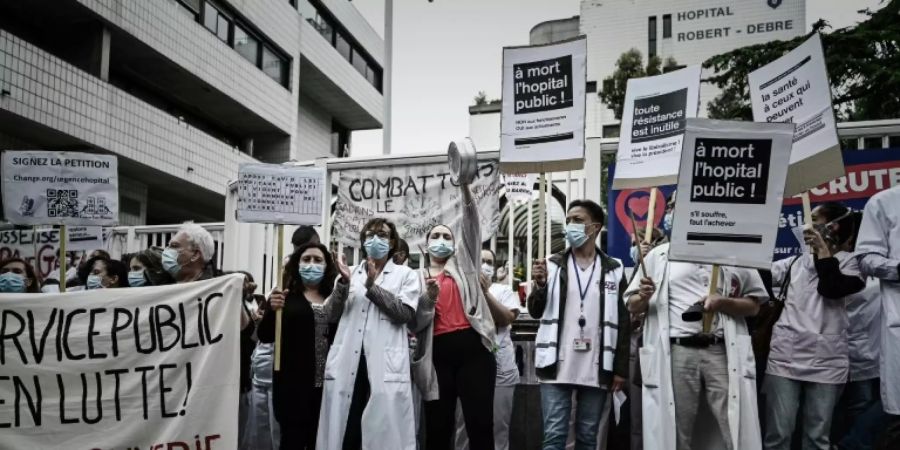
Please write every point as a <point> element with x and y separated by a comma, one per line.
<point>153,367</point>
<point>795,88</point>
<point>38,248</point>
<point>730,188</point>
<point>519,186</point>
<point>542,117</point>
<point>653,122</point>
<point>414,197</point>
<point>60,188</point>
<point>282,194</point>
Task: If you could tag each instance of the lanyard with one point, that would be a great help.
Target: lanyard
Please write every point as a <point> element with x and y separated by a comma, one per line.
<point>583,291</point>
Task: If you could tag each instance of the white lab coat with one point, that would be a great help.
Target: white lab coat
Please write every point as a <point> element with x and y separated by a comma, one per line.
<point>656,369</point>
<point>878,248</point>
<point>388,420</point>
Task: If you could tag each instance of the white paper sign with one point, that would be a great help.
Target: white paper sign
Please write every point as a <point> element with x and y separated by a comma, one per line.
<point>730,188</point>
<point>414,197</point>
<point>283,194</point>
<point>60,188</point>
<point>519,186</point>
<point>542,117</point>
<point>653,121</point>
<point>795,88</point>
<point>84,238</point>
<point>150,367</point>
<point>37,248</point>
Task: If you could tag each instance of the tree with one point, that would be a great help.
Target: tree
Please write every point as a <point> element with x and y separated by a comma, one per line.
<point>629,65</point>
<point>863,63</point>
<point>480,99</point>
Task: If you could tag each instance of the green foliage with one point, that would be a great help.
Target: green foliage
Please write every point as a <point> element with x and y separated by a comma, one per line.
<point>863,64</point>
<point>629,65</point>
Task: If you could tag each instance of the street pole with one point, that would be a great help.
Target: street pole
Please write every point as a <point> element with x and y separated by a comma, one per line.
<point>387,74</point>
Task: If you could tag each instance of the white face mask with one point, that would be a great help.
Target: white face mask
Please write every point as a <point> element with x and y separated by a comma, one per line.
<point>487,270</point>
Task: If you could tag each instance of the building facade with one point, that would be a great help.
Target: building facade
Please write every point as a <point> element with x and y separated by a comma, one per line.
<point>183,91</point>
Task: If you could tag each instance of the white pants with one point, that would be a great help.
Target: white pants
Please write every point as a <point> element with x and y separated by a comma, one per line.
<point>261,430</point>
<point>503,408</point>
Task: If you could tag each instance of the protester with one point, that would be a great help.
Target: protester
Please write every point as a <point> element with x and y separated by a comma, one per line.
<point>367,394</point>
<point>878,253</point>
<point>189,254</point>
<point>303,235</point>
<point>808,361</point>
<point>101,272</point>
<point>457,341</point>
<point>17,276</point>
<point>680,363</point>
<point>507,371</point>
<point>311,304</point>
<point>50,283</point>
<point>402,253</point>
<point>580,348</point>
<point>247,345</point>
<point>146,269</point>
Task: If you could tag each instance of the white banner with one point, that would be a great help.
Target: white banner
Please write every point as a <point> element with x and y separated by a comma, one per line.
<point>38,249</point>
<point>519,186</point>
<point>413,197</point>
<point>153,367</point>
<point>542,120</point>
<point>283,194</point>
<point>730,188</point>
<point>60,188</point>
<point>653,121</point>
<point>795,88</point>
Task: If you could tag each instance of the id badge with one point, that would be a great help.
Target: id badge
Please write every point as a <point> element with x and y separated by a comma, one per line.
<point>582,345</point>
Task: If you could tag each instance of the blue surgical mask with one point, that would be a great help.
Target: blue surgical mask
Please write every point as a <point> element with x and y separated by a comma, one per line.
<point>94,282</point>
<point>170,261</point>
<point>575,234</point>
<point>377,247</point>
<point>12,283</point>
<point>634,254</point>
<point>136,278</point>
<point>312,273</point>
<point>440,248</point>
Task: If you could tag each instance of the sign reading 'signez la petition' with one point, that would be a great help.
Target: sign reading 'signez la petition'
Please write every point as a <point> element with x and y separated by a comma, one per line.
<point>60,188</point>
<point>542,118</point>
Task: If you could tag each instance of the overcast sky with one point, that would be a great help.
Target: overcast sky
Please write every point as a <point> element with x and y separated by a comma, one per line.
<point>448,50</point>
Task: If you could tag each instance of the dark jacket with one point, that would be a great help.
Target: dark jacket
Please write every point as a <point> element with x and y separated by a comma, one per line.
<point>537,302</point>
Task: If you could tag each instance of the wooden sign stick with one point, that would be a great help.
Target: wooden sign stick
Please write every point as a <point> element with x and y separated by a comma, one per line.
<point>713,288</point>
<point>651,216</point>
<point>279,274</point>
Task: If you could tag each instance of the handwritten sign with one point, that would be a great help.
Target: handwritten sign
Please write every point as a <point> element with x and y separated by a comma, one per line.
<point>273,193</point>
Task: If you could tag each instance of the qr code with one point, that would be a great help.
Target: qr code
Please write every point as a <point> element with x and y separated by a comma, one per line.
<point>62,203</point>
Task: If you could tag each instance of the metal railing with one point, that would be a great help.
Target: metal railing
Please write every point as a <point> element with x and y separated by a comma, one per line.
<point>124,240</point>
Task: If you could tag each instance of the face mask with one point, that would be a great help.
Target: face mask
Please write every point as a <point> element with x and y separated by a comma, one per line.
<point>170,261</point>
<point>667,222</point>
<point>487,270</point>
<point>635,256</point>
<point>136,278</point>
<point>12,283</point>
<point>377,247</point>
<point>94,282</point>
<point>575,234</point>
<point>312,273</point>
<point>440,248</point>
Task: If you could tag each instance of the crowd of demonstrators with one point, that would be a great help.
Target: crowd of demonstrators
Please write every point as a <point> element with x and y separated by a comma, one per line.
<point>383,356</point>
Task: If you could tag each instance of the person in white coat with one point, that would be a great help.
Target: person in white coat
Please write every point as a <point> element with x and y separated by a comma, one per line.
<point>367,400</point>
<point>878,253</point>
<point>679,363</point>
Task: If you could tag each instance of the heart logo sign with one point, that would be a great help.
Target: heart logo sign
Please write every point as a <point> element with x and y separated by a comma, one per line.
<point>638,202</point>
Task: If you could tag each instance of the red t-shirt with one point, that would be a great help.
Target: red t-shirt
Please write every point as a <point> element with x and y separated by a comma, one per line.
<point>449,314</point>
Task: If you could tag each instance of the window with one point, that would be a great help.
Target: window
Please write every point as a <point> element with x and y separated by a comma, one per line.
<point>342,46</point>
<point>894,141</point>
<point>360,64</point>
<point>217,22</point>
<point>273,65</point>
<point>611,131</point>
<point>851,143</point>
<point>667,26</point>
<point>872,142</point>
<point>590,87</point>
<point>246,45</point>
<point>651,36</point>
<point>340,139</point>
<point>189,8</point>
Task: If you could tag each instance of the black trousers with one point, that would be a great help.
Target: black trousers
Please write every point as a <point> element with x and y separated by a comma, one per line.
<point>361,392</point>
<point>465,370</point>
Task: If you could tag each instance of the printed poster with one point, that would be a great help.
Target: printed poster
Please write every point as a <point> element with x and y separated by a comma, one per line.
<point>282,194</point>
<point>795,88</point>
<point>60,188</point>
<point>730,189</point>
<point>542,116</point>
<point>653,121</point>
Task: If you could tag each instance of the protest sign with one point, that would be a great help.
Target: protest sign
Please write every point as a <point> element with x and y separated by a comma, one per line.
<point>281,194</point>
<point>519,186</point>
<point>38,248</point>
<point>413,197</point>
<point>653,121</point>
<point>795,88</point>
<point>542,116</point>
<point>60,188</point>
<point>152,367</point>
<point>730,184</point>
<point>85,238</point>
